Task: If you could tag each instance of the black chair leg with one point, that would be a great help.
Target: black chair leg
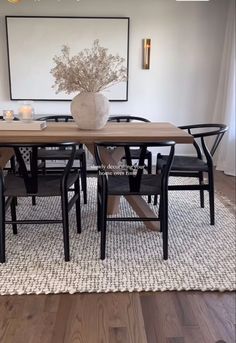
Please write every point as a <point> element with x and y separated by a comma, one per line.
<point>33,200</point>
<point>201,190</point>
<point>84,177</point>
<point>13,215</point>
<point>160,214</point>
<point>157,172</point>
<point>99,210</point>
<point>2,225</point>
<point>13,165</point>
<point>65,223</point>
<point>77,205</point>
<point>44,166</point>
<point>211,196</point>
<point>165,225</point>
<point>155,200</point>
<point>149,168</point>
<point>103,226</point>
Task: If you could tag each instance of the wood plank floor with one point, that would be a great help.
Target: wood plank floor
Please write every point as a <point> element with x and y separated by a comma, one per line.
<point>168,317</point>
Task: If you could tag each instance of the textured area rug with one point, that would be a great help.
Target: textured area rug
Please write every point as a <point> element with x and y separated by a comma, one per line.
<point>201,257</point>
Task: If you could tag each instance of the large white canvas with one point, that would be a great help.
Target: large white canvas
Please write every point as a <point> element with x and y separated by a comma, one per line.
<point>34,41</point>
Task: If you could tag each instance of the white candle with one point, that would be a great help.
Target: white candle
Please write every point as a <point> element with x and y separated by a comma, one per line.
<point>26,112</point>
<point>8,115</point>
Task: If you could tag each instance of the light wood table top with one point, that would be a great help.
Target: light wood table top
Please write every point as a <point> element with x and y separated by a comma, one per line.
<point>113,132</point>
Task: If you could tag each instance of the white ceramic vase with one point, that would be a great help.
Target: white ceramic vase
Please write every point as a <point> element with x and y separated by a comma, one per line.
<point>90,110</point>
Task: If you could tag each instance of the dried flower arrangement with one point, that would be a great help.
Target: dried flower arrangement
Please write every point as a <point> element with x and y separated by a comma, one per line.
<point>91,70</point>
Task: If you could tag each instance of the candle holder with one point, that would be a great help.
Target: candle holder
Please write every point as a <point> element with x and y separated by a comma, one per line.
<point>26,112</point>
<point>8,115</point>
<point>146,53</point>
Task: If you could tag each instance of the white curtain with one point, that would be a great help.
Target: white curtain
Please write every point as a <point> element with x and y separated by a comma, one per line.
<point>225,102</point>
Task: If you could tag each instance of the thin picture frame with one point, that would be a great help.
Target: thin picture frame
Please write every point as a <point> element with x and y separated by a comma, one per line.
<point>33,41</point>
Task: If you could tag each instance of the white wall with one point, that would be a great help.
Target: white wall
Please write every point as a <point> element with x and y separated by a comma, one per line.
<point>187,43</point>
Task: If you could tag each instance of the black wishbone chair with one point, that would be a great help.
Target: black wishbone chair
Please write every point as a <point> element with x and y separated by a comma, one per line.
<point>135,152</point>
<point>189,166</point>
<point>63,154</point>
<point>28,182</point>
<point>133,181</point>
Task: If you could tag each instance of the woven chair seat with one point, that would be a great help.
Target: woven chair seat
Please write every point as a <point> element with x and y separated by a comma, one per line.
<point>61,154</point>
<point>119,185</point>
<point>184,163</point>
<point>48,185</point>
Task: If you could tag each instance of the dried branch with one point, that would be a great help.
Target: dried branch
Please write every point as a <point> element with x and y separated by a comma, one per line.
<point>91,70</point>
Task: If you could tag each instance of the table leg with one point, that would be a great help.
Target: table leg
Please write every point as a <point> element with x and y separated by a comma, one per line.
<point>5,156</point>
<point>140,206</point>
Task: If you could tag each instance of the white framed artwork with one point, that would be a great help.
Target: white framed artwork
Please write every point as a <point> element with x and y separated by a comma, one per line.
<point>33,42</point>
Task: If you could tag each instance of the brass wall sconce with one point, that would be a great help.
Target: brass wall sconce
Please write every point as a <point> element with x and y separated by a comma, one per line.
<point>146,53</point>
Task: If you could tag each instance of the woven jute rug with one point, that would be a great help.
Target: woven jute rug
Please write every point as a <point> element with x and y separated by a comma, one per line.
<point>201,257</point>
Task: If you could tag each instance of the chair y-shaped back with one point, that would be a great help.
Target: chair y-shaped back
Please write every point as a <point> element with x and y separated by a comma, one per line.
<point>218,131</point>
<point>58,118</point>
<point>127,118</point>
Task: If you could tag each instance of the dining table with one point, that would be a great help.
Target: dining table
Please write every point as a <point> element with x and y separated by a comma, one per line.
<point>62,132</point>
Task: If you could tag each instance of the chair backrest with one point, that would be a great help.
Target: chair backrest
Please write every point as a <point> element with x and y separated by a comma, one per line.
<point>30,175</point>
<point>127,119</point>
<point>134,171</point>
<point>15,118</point>
<point>57,118</point>
<point>202,131</point>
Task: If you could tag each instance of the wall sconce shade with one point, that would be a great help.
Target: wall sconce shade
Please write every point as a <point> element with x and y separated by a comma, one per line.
<point>146,53</point>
